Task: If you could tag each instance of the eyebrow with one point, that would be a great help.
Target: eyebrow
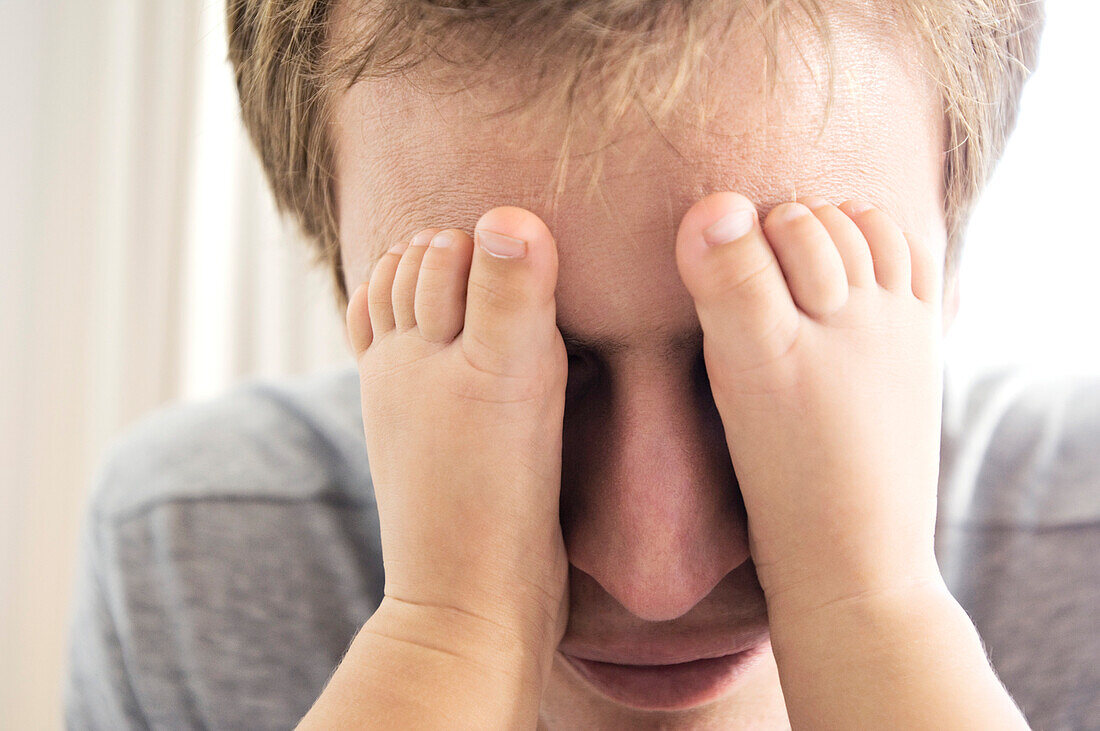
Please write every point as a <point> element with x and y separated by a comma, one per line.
<point>603,344</point>
<point>685,342</point>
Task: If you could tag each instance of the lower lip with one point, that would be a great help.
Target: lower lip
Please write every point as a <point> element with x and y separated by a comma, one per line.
<point>668,687</point>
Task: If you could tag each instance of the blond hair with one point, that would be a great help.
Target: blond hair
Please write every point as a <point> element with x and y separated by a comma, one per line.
<point>288,74</point>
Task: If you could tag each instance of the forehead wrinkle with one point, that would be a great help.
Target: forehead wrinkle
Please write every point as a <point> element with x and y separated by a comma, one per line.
<point>444,164</point>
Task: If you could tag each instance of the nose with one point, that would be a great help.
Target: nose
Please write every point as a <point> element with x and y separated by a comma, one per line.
<point>650,507</point>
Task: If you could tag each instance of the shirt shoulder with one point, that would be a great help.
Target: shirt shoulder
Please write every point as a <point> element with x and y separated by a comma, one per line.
<point>1019,450</point>
<point>230,553</point>
<point>1018,529</point>
<point>297,438</point>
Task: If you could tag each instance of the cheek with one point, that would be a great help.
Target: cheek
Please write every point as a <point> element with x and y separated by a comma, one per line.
<point>357,262</point>
<point>362,240</point>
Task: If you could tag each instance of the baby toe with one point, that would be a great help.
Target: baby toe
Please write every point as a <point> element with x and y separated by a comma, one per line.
<point>357,319</point>
<point>809,259</point>
<point>889,249</point>
<point>380,290</point>
<point>926,274</point>
<point>848,239</point>
<point>440,307</point>
<point>404,281</point>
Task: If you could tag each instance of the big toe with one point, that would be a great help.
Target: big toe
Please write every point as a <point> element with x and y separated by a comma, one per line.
<point>809,258</point>
<point>510,324</point>
<point>744,306</point>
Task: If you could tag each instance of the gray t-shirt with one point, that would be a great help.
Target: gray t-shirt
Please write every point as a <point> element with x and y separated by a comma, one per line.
<point>230,552</point>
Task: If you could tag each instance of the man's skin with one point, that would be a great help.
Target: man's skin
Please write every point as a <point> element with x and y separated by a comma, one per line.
<point>654,546</point>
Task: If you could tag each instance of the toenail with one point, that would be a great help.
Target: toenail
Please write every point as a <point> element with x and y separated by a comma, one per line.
<point>815,202</point>
<point>792,211</point>
<point>443,239</point>
<point>858,207</point>
<point>421,239</point>
<point>398,248</point>
<point>730,227</point>
<point>499,245</point>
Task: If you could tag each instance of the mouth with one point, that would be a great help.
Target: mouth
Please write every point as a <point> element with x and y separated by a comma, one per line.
<point>667,687</point>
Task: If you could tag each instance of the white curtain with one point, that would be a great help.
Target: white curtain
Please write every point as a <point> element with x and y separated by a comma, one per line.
<point>141,263</point>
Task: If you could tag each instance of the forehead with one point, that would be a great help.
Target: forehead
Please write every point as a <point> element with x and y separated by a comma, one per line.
<point>409,157</point>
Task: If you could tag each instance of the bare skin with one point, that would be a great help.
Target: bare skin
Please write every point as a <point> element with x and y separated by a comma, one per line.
<point>655,524</point>
<point>476,585</point>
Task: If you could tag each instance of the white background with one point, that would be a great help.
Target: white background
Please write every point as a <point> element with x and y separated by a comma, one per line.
<point>1030,273</point>
<point>141,263</point>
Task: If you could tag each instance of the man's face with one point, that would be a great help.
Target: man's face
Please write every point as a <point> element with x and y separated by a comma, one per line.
<point>652,517</point>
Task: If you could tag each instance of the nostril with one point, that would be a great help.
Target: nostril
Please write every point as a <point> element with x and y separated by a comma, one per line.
<point>658,570</point>
<point>661,598</point>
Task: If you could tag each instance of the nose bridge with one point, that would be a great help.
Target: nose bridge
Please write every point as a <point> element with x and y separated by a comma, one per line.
<point>655,525</point>
<point>658,458</point>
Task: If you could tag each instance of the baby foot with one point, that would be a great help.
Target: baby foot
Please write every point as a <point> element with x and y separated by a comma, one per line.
<point>821,342</point>
<point>463,374</point>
